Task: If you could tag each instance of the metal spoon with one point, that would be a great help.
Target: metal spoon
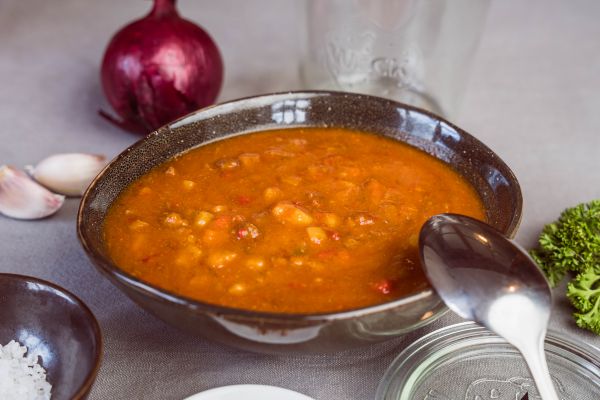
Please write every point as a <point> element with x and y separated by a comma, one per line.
<point>483,276</point>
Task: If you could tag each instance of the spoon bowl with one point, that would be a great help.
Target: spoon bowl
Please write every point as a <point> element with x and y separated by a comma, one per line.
<point>485,277</point>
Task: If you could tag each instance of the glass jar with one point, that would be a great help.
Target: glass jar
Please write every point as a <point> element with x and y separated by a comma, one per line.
<point>413,51</point>
<point>466,361</point>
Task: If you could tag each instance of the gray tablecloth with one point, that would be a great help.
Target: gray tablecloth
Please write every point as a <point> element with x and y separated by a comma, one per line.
<point>533,97</point>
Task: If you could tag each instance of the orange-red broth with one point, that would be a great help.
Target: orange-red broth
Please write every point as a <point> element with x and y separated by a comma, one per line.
<point>292,221</point>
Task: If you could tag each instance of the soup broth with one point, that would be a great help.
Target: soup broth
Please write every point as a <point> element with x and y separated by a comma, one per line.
<point>291,221</point>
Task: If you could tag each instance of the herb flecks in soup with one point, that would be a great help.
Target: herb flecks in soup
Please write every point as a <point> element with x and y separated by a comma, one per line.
<point>293,221</point>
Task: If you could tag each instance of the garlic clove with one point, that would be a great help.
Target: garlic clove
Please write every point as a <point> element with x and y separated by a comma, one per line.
<point>69,173</point>
<point>23,198</point>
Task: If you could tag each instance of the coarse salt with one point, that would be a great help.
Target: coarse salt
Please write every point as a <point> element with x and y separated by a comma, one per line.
<point>21,377</point>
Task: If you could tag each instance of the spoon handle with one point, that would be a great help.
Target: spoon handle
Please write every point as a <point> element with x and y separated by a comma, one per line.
<point>536,361</point>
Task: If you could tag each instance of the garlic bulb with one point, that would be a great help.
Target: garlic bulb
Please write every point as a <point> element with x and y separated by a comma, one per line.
<point>69,173</point>
<point>23,198</point>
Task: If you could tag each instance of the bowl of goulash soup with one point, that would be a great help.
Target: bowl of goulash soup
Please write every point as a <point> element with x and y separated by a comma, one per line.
<point>289,222</point>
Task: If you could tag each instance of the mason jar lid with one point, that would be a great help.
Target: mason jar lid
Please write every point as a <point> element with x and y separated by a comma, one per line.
<point>467,361</point>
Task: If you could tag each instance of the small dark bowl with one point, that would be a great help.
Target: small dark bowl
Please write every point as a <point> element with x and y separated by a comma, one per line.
<point>270,332</point>
<point>56,326</point>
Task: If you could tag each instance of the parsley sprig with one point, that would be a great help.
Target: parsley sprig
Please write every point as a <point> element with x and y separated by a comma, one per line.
<point>572,245</point>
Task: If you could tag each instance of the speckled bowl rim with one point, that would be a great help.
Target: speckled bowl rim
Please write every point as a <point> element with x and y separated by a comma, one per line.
<point>90,378</point>
<point>113,271</point>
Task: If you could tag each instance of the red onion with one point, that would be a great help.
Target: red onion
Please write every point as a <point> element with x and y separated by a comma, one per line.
<point>160,68</point>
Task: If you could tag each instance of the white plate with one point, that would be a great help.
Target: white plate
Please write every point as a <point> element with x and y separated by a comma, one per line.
<point>248,392</point>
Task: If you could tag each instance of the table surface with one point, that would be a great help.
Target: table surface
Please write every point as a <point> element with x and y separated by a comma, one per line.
<point>533,97</point>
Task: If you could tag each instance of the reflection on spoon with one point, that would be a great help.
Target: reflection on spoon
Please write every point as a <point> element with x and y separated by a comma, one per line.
<point>483,276</point>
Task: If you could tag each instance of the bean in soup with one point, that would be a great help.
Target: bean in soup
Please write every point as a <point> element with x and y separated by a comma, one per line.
<point>292,221</point>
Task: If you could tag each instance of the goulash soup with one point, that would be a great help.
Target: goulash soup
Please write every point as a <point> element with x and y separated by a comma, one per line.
<point>289,221</point>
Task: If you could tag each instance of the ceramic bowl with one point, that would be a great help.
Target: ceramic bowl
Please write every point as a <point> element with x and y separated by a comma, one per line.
<point>269,332</point>
<point>56,326</point>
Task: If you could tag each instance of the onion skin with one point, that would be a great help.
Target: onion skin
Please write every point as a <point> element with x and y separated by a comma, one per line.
<point>158,69</point>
